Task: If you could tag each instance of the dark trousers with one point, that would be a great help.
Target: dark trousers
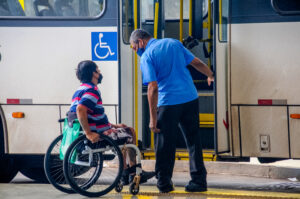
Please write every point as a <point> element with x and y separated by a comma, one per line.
<point>187,117</point>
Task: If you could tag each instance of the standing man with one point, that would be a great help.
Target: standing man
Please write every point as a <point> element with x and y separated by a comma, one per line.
<point>173,101</point>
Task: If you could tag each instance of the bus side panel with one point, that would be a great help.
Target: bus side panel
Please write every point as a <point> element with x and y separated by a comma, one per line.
<point>264,124</point>
<point>264,66</point>
<point>265,62</point>
<point>38,64</point>
<point>33,133</point>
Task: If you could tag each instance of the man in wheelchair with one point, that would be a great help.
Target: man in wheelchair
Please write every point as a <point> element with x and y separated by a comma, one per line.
<point>87,107</point>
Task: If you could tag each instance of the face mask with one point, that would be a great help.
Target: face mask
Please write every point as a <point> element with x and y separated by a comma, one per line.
<point>100,78</point>
<point>140,51</point>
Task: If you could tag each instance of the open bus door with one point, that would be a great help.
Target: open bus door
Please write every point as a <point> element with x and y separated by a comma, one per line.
<point>221,50</point>
<point>180,20</point>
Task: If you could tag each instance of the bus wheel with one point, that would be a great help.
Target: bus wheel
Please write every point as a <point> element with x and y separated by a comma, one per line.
<point>36,174</point>
<point>8,169</point>
<point>268,160</point>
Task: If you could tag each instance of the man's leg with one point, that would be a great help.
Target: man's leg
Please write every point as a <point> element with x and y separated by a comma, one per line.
<point>189,123</point>
<point>165,146</point>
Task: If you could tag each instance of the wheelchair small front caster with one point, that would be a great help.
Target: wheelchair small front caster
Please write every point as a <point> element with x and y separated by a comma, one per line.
<point>133,189</point>
<point>119,187</point>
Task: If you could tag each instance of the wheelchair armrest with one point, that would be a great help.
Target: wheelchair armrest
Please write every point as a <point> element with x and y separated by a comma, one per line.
<point>61,120</point>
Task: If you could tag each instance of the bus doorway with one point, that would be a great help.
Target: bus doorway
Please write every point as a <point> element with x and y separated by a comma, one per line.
<point>181,20</point>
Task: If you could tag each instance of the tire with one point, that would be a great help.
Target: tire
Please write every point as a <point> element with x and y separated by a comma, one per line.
<point>104,171</point>
<point>53,167</point>
<point>37,174</point>
<point>8,169</point>
<point>134,190</point>
<point>268,160</point>
<point>119,187</point>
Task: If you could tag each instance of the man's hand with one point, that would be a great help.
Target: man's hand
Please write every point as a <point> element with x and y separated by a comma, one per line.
<point>210,80</point>
<point>92,136</point>
<point>152,126</point>
<point>121,125</point>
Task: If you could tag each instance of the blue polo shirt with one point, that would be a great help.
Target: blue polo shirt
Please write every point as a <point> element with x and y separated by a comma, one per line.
<point>165,61</point>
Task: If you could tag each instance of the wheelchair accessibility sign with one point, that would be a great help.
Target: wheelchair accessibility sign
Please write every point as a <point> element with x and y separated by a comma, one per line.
<point>104,46</point>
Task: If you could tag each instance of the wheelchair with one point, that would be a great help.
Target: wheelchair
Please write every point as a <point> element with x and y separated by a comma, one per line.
<point>90,169</point>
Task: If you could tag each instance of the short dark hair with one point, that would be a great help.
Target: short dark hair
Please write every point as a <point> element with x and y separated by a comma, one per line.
<point>84,71</point>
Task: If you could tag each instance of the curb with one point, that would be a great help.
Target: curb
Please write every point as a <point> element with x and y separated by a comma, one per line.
<point>234,168</point>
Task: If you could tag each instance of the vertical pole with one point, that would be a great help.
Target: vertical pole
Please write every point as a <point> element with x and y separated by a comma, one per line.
<point>220,21</point>
<point>22,4</point>
<point>209,32</point>
<point>181,21</point>
<point>136,126</point>
<point>156,19</point>
<point>191,18</point>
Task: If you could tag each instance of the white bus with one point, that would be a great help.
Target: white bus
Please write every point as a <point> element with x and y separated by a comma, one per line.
<point>252,46</point>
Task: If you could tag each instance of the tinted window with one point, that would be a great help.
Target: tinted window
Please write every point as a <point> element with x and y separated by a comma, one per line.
<point>127,19</point>
<point>223,19</point>
<point>287,5</point>
<point>52,8</point>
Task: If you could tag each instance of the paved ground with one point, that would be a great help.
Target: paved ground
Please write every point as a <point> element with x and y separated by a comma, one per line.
<point>220,186</point>
<point>225,180</point>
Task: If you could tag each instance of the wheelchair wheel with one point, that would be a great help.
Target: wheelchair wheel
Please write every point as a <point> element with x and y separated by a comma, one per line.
<point>103,162</point>
<point>133,189</point>
<point>53,167</point>
<point>119,187</point>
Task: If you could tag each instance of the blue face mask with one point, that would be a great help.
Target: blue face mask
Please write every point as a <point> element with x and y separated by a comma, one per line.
<point>140,51</point>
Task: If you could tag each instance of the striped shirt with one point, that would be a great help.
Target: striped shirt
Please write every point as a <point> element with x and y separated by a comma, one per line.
<point>89,96</point>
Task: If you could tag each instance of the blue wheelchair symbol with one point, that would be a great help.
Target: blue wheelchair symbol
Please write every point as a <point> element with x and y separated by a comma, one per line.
<point>104,46</point>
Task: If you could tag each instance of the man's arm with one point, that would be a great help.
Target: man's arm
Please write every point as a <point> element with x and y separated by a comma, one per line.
<point>153,99</point>
<point>203,68</point>
<point>82,115</point>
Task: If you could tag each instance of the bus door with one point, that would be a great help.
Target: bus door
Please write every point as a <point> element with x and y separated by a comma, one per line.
<point>259,82</point>
<point>221,49</point>
<point>169,19</point>
<point>41,43</point>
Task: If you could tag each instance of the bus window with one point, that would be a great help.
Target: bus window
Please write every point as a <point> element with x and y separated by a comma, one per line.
<point>147,15</point>
<point>127,20</point>
<point>172,9</point>
<point>223,20</point>
<point>51,8</point>
<point>286,7</point>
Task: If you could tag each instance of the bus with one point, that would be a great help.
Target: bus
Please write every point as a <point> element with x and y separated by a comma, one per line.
<point>252,110</point>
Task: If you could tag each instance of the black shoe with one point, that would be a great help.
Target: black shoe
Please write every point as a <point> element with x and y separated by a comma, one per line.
<point>166,189</point>
<point>193,187</point>
<point>145,176</point>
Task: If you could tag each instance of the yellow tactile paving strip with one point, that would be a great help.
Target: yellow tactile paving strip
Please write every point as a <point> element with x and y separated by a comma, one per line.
<point>149,191</point>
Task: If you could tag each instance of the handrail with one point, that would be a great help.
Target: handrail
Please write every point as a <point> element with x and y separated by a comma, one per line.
<point>156,19</point>
<point>181,22</point>
<point>191,18</point>
<point>281,12</point>
<point>135,11</point>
